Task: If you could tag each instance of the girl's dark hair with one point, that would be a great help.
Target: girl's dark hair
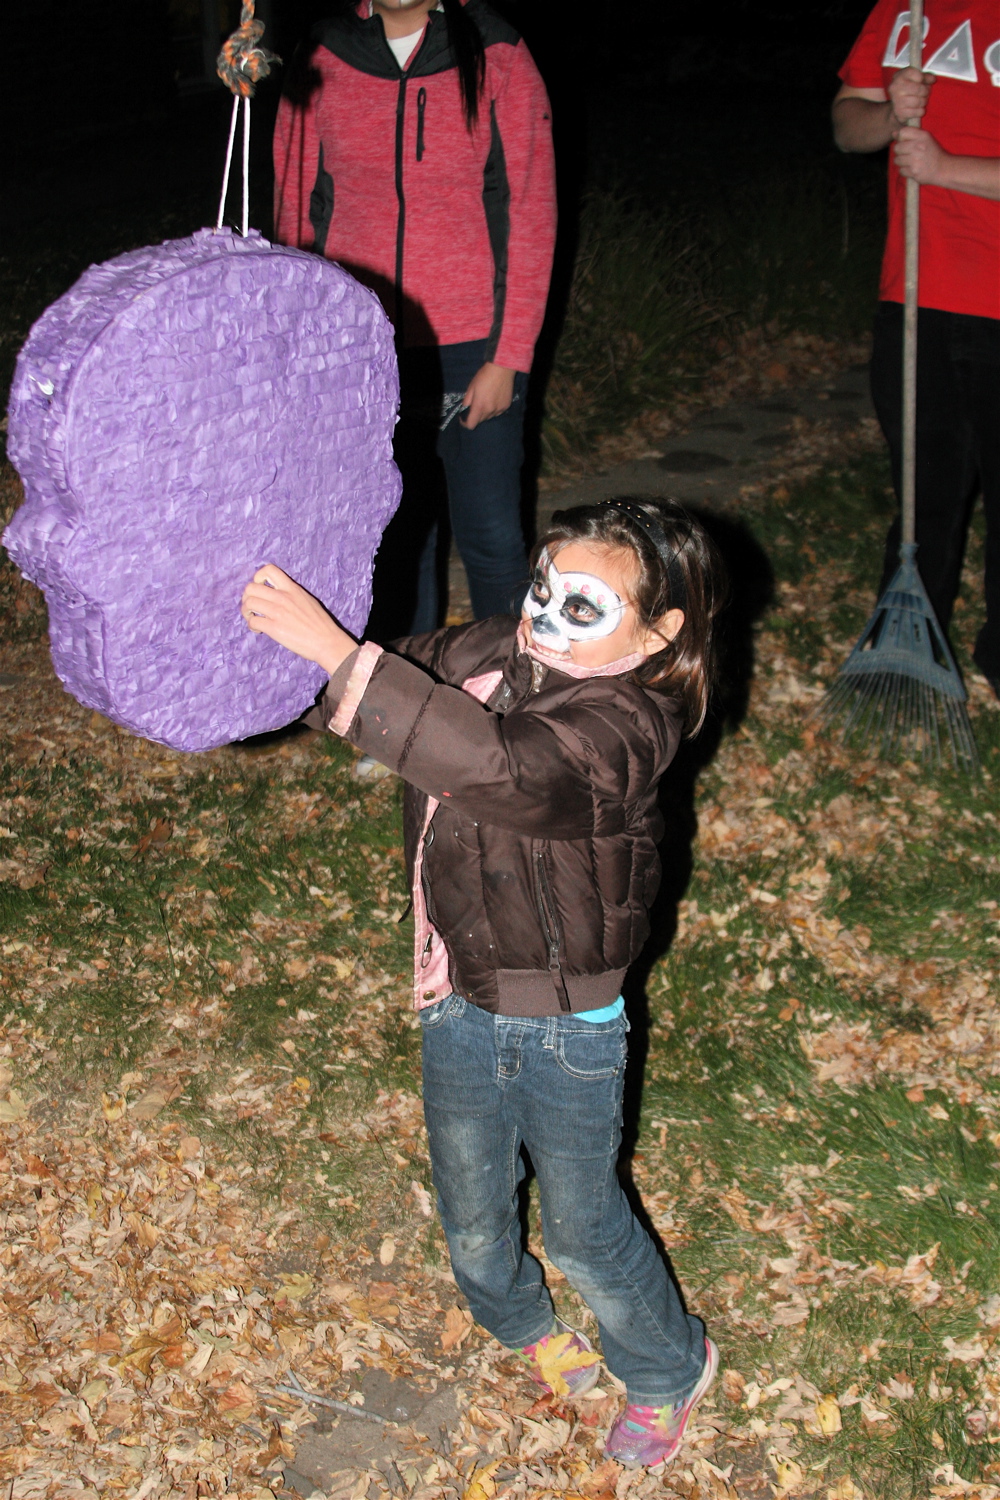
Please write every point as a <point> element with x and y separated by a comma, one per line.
<point>467,45</point>
<point>685,668</point>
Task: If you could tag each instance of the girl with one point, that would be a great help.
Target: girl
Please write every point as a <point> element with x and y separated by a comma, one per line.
<point>532,750</point>
<point>414,146</point>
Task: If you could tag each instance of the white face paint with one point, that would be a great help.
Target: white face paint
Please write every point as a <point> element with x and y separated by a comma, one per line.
<point>564,607</point>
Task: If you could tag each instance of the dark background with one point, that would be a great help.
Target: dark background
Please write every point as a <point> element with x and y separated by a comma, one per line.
<point>102,104</point>
<point>712,116</point>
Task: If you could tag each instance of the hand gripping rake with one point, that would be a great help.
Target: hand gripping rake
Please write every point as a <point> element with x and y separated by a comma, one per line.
<point>900,687</point>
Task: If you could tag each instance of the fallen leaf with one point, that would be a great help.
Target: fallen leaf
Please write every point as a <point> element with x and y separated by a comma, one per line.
<point>482,1485</point>
<point>457,1327</point>
<point>160,831</point>
<point>237,1402</point>
<point>387,1251</point>
<point>872,1415</point>
<point>789,1475</point>
<point>967,1352</point>
<point>828,1416</point>
<point>558,1355</point>
<point>188,1147</point>
<point>789,1314</point>
<point>845,1489</point>
<point>156,1097</point>
<point>733,1385</point>
<point>296,1285</point>
<point>423,1199</point>
<point>113,1109</point>
<point>12,1109</point>
<point>898,1390</point>
<point>141,1354</point>
<point>603,1478</point>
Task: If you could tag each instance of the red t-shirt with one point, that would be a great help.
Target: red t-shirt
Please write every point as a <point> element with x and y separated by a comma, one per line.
<point>959,233</point>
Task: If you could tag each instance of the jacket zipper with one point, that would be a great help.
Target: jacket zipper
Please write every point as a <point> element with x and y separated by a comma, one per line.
<point>550,926</point>
<point>421,106</point>
<point>401,219</point>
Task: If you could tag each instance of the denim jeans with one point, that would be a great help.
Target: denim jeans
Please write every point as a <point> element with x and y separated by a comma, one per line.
<point>474,476</point>
<point>554,1085</point>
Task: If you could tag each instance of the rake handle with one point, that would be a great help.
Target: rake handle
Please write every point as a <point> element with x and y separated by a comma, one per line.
<point>911,278</point>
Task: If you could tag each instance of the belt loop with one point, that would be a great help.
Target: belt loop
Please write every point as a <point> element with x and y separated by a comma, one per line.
<point>550,1033</point>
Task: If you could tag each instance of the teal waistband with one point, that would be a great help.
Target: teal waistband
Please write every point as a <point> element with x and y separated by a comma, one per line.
<point>606,1013</point>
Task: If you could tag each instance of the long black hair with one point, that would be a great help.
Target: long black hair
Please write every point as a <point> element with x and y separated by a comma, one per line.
<point>467,45</point>
<point>470,56</point>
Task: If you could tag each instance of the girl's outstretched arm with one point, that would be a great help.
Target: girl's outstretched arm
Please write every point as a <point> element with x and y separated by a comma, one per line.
<point>273,604</point>
<point>563,774</point>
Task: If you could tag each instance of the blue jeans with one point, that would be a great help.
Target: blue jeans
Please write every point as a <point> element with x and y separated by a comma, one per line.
<point>554,1085</point>
<point>473,476</point>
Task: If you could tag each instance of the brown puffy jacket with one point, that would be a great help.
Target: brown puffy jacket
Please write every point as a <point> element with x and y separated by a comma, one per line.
<point>539,864</point>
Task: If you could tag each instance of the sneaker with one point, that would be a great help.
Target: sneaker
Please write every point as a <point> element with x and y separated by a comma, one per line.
<point>370,769</point>
<point>563,1362</point>
<point>647,1435</point>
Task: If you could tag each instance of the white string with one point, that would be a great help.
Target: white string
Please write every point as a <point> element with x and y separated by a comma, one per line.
<point>229,160</point>
<point>246,165</point>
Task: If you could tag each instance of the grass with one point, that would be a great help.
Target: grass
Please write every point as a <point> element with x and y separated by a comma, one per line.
<point>262,935</point>
<point>660,292</point>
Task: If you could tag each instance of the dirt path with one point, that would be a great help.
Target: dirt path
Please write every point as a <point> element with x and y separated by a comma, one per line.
<point>723,452</point>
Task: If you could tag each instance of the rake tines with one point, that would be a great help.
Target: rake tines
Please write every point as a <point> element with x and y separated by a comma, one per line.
<point>899,690</point>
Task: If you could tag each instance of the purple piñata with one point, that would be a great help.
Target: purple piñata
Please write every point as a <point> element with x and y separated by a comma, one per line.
<point>184,414</point>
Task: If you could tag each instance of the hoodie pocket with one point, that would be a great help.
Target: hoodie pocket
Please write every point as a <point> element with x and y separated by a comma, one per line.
<point>421,107</point>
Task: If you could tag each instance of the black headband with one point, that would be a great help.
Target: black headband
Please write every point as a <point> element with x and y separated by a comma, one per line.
<point>655,533</point>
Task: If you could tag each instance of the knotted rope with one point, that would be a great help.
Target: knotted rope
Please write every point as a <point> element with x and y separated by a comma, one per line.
<point>241,65</point>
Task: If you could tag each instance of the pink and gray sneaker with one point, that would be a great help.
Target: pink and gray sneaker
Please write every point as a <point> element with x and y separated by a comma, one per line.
<point>647,1435</point>
<point>563,1362</point>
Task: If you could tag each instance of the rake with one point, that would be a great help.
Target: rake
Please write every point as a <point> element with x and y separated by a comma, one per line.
<point>900,688</point>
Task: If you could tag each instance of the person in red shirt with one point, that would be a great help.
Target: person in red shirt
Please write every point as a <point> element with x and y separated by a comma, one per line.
<point>952,152</point>
<point>414,147</point>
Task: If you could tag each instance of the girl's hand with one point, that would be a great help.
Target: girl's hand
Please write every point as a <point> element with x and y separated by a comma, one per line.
<point>489,393</point>
<point>274,605</point>
<point>919,156</point>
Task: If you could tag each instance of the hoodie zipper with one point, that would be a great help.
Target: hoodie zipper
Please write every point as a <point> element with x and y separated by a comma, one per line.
<point>421,106</point>
<point>401,217</point>
<point>550,926</point>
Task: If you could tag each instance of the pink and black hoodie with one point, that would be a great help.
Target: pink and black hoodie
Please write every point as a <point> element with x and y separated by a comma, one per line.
<point>376,168</point>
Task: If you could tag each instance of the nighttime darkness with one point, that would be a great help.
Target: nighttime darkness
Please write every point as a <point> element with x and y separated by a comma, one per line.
<point>558,442</point>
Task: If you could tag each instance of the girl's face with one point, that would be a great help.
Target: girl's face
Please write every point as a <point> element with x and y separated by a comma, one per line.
<point>579,607</point>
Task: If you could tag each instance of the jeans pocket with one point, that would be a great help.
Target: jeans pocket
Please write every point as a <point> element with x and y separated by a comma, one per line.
<point>433,1015</point>
<point>594,1053</point>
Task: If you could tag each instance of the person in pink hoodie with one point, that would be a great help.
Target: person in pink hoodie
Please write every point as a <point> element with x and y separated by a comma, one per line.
<point>414,147</point>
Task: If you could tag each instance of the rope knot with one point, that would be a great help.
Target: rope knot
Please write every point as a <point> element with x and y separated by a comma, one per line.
<point>242,63</point>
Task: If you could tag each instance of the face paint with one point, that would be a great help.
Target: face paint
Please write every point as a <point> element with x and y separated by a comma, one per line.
<point>564,607</point>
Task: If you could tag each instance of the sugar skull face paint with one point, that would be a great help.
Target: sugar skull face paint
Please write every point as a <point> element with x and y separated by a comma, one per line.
<point>564,607</point>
